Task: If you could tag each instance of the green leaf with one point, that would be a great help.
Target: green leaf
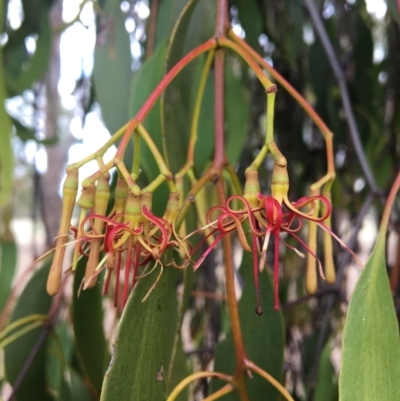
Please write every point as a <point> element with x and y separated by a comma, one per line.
<point>33,300</point>
<point>112,66</point>
<point>251,19</point>
<point>168,14</point>
<point>370,367</point>
<point>34,68</point>
<point>143,84</point>
<point>191,30</point>
<point>237,114</point>
<point>264,337</point>
<point>179,368</point>
<point>8,263</point>
<point>6,151</point>
<point>87,317</point>
<point>136,370</point>
<point>327,386</point>
<point>25,134</point>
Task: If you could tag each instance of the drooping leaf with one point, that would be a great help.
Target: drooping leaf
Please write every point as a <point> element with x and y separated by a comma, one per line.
<point>136,371</point>
<point>25,134</point>
<point>87,319</point>
<point>34,68</point>
<point>168,14</point>
<point>6,152</point>
<point>327,386</point>
<point>8,264</point>
<point>179,369</point>
<point>143,84</point>
<point>112,66</point>
<point>370,366</point>
<point>263,337</point>
<point>237,114</point>
<point>250,17</point>
<point>190,31</point>
<point>33,300</point>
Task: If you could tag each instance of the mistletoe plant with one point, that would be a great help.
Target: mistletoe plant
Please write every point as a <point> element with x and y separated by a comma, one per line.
<point>133,250</point>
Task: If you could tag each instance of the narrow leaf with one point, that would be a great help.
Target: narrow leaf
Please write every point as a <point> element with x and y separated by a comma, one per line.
<point>33,300</point>
<point>263,337</point>
<point>112,66</point>
<point>87,317</point>
<point>136,371</point>
<point>371,349</point>
<point>6,152</point>
<point>8,263</point>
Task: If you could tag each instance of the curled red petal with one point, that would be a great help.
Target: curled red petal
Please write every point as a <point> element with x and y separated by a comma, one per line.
<point>209,249</point>
<point>160,223</point>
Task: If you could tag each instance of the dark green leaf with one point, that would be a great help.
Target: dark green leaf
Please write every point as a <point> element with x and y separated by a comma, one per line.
<point>371,348</point>
<point>6,152</point>
<point>237,114</point>
<point>8,263</point>
<point>143,84</point>
<point>25,134</point>
<point>168,14</point>
<point>327,386</point>
<point>112,66</point>
<point>190,31</point>
<point>87,316</point>
<point>263,337</point>
<point>33,300</point>
<point>32,69</point>
<point>136,370</point>
<point>250,17</point>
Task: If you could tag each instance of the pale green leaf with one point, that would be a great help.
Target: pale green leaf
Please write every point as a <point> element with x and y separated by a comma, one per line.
<point>136,371</point>
<point>371,349</point>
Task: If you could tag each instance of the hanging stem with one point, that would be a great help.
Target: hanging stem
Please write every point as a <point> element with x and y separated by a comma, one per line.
<point>151,100</point>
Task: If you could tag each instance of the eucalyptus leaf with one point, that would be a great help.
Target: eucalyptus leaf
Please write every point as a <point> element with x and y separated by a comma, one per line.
<point>33,300</point>
<point>263,336</point>
<point>87,318</point>
<point>112,66</point>
<point>8,264</point>
<point>136,370</point>
<point>370,368</point>
<point>6,152</point>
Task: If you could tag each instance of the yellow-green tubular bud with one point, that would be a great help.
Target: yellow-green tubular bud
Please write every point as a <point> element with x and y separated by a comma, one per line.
<point>86,200</point>
<point>145,200</point>
<point>252,188</point>
<point>280,183</point>
<point>100,208</point>
<point>70,190</point>
<point>121,195</point>
<point>172,208</point>
<point>329,265</point>
<point>311,273</point>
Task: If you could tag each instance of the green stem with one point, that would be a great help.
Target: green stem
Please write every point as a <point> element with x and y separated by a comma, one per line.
<point>136,155</point>
<point>326,132</point>
<point>196,114</point>
<point>151,100</point>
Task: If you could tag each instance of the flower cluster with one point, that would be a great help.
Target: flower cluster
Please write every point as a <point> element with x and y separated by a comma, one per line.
<point>130,236</point>
<point>264,217</point>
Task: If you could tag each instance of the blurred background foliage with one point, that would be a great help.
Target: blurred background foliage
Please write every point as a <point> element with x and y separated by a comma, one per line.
<point>71,72</point>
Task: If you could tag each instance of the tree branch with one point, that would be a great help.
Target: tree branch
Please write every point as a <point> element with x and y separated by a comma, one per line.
<point>338,73</point>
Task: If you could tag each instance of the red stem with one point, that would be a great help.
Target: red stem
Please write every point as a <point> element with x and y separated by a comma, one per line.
<point>219,156</point>
<point>151,100</point>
